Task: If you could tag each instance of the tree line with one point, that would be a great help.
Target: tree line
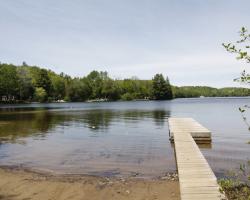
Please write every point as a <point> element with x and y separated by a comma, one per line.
<point>31,83</point>
<point>204,91</point>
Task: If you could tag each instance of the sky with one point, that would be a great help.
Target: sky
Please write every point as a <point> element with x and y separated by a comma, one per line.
<point>179,38</point>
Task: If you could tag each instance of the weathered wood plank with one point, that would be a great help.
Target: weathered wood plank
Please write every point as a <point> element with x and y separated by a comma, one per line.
<point>197,180</point>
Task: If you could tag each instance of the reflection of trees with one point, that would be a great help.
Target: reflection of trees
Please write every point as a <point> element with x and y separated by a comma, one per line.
<point>97,119</point>
<point>101,119</point>
<point>23,124</point>
<point>15,125</point>
<point>160,117</point>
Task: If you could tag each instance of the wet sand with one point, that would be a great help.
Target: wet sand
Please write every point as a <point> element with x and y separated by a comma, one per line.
<point>20,184</point>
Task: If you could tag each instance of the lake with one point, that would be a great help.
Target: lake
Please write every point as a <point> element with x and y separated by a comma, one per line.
<point>118,138</point>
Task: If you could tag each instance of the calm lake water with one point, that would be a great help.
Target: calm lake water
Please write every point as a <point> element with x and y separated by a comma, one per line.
<point>118,138</point>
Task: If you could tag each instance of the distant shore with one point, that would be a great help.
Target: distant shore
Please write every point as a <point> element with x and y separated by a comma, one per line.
<point>17,184</point>
<point>102,100</point>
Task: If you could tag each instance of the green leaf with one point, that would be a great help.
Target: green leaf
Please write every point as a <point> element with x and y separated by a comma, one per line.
<point>242,110</point>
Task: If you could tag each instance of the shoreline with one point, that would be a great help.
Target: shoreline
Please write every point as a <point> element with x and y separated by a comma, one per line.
<point>119,100</point>
<point>168,175</point>
<point>17,183</point>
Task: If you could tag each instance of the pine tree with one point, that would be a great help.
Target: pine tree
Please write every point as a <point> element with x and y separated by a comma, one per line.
<point>161,88</point>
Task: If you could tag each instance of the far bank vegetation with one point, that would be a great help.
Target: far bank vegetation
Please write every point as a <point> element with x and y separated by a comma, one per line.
<point>31,83</point>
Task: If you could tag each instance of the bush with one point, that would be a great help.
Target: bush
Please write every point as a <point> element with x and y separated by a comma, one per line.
<point>127,97</point>
<point>40,94</point>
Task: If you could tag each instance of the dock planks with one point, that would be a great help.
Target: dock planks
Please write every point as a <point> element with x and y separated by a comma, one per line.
<point>196,178</point>
<point>199,133</point>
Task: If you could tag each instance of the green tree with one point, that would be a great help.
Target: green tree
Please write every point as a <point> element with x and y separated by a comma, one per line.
<point>161,89</point>
<point>79,90</point>
<point>25,87</point>
<point>8,81</point>
<point>127,96</point>
<point>57,90</point>
<point>40,78</point>
<point>67,83</point>
<point>20,82</point>
<point>40,94</point>
<point>95,80</point>
<point>110,90</point>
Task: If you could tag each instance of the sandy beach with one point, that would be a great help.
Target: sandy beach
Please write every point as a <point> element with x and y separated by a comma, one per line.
<point>20,184</point>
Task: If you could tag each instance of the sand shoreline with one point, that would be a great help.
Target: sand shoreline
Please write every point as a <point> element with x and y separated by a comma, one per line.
<point>24,184</point>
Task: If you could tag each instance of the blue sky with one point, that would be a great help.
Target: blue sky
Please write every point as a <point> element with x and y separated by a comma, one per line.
<point>181,39</point>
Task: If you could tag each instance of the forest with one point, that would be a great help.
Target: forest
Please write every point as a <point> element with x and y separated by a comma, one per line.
<point>34,84</point>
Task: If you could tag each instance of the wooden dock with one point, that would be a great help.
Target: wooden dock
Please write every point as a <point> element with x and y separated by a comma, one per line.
<point>199,133</point>
<point>196,178</point>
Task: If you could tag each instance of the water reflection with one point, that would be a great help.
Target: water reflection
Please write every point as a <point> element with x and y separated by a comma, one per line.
<point>37,123</point>
<point>118,137</point>
<point>92,141</point>
<point>160,116</point>
<point>18,125</point>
